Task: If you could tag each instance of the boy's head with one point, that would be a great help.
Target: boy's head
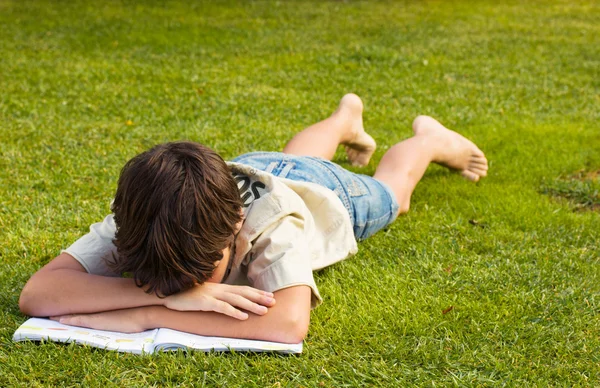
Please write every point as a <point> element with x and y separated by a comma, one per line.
<point>176,210</point>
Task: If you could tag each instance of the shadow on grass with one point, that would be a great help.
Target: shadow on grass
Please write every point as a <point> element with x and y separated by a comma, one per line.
<point>581,190</point>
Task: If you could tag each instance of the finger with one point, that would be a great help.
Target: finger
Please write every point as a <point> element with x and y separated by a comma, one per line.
<point>56,318</point>
<point>263,298</point>
<point>227,309</point>
<point>243,303</point>
<point>250,289</point>
<point>72,320</point>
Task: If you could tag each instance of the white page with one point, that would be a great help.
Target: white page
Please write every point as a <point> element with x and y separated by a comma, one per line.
<point>168,339</point>
<point>36,329</point>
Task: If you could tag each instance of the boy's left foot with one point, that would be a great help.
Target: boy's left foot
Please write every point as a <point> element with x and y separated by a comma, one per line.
<point>360,146</point>
<point>452,149</point>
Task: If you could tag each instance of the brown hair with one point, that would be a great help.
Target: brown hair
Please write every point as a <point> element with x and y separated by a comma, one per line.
<point>176,209</point>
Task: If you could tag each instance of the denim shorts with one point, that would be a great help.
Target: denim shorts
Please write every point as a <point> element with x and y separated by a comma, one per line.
<point>371,203</point>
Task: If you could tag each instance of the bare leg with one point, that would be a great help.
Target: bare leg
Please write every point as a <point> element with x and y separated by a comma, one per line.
<point>344,126</point>
<point>403,166</point>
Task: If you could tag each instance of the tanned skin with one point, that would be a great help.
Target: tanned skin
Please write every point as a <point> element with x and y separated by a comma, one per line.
<point>64,290</point>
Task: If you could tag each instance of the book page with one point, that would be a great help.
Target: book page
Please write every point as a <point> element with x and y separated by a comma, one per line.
<point>168,339</point>
<point>36,329</point>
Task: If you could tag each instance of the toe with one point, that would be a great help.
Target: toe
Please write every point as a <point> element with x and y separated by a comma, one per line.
<point>478,153</point>
<point>479,171</point>
<point>479,165</point>
<point>479,161</point>
<point>478,156</point>
<point>470,175</point>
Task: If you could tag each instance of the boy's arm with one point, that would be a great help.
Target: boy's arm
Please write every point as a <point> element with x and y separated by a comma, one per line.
<point>287,321</point>
<point>63,286</point>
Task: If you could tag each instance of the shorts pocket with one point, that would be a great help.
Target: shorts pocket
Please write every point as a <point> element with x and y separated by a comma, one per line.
<point>355,186</point>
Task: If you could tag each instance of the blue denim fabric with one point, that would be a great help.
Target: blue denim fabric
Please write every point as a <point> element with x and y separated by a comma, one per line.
<point>371,204</point>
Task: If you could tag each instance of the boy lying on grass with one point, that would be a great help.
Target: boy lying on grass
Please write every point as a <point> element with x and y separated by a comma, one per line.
<point>228,249</point>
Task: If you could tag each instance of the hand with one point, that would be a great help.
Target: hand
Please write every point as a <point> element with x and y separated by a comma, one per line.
<point>124,321</point>
<point>221,298</point>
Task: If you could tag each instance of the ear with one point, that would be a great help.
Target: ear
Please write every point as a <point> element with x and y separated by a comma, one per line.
<point>238,227</point>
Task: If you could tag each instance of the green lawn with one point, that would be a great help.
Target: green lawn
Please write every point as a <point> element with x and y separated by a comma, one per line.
<point>85,86</point>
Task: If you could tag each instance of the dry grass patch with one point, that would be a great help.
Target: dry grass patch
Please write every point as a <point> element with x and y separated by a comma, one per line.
<point>581,190</point>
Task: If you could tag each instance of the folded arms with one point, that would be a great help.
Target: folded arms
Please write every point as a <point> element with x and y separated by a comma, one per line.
<point>64,290</point>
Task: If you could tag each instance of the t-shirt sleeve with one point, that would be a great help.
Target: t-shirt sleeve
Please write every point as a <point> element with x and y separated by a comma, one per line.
<point>280,258</point>
<point>94,249</point>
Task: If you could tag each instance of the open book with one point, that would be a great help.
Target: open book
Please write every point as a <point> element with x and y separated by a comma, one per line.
<point>37,329</point>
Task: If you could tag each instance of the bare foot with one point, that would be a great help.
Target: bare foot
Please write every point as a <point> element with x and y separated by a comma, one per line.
<point>455,151</point>
<point>359,144</point>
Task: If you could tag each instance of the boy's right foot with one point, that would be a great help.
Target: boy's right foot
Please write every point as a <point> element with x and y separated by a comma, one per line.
<point>359,144</point>
<point>453,150</point>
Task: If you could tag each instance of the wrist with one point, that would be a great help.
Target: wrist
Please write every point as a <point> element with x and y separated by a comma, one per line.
<point>152,298</point>
<point>166,301</point>
<point>148,317</point>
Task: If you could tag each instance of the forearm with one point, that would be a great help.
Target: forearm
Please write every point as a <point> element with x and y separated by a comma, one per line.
<point>63,287</point>
<point>287,321</point>
<point>266,327</point>
<point>65,291</point>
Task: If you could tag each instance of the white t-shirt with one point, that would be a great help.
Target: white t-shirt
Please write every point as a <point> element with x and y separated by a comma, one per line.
<point>290,229</point>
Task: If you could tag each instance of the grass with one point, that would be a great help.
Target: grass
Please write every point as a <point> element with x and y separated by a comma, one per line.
<point>582,189</point>
<point>85,86</point>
